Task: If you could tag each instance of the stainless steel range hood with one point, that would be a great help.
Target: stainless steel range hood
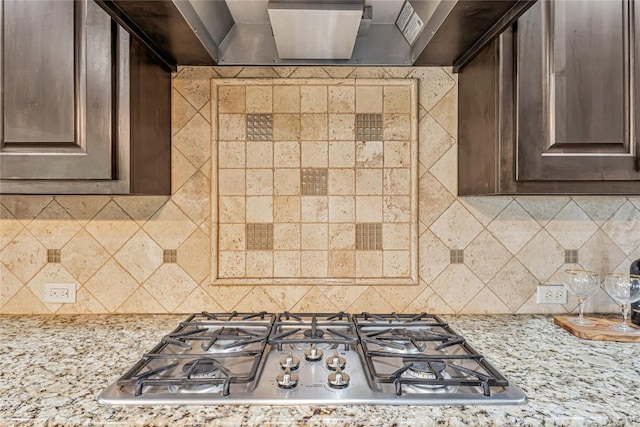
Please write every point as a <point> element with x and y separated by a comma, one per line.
<point>315,32</point>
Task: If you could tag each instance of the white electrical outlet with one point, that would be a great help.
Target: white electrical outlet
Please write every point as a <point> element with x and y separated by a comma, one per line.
<point>551,294</point>
<point>60,292</point>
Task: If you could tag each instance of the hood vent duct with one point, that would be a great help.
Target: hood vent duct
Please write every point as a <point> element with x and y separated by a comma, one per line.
<point>297,28</point>
<point>315,32</point>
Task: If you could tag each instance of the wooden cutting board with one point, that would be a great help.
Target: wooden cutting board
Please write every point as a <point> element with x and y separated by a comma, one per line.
<point>599,332</point>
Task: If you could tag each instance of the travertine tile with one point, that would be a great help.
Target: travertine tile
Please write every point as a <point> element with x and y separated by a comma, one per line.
<point>513,284</point>
<point>231,99</point>
<point>369,208</point>
<point>485,302</point>
<point>286,99</point>
<point>257,72</point>
<point>231,127</point>
<point>342,209</point>
<point>258,300</point>
<point>485,256</point>
<point>396,236</point>
<point>286,209</point>
<point>141,301</point>
<point>181,111</point>
<point>260,209</point>
<point>397,127</point>
<point>396,209</point>
<point>368,182</point>
<point>53,226</point>
<point>286,236</point>
<point>286,263</point>
<point>85,304</point>
<point>286,154</point>
<point>601,254</point>
<point>445,170</point>
<point>169,226</point>
<point>369,263</point>
<point>342,154</point>
<point>310,72</point>
<point>542,255</point>
<point>231,154</point>
<point>287,296</point>
<point>342,236</point>
<point>10,285</point>
<point>82,256</point>
<point>433,141</point>
<point>112,227</point>
<point>369,154</point>
<point>342,127</point>
<point>342,182</point>
<point>544,209</point>
<point>83,208</point>
<point>231,237</point>
<point>181,169</point>
<point>313,126</point>
<point>456,227</point>
<point>370,301</point>
<point>434,85</point>
<point>513,227</point>
<point>624,228</point>
<point>231,182</point>
<point>571,227</point>
<point>600,208</point>
<point>259,99</point>
<point>315,209</point>
<point>314,236</point>
<point>445,112</point>
<point>313,99</point>
<point>193,198</point>
<point>343,296</point>
<point>259,182</point>
<point>286,182</point>
<point>259,264</point>
<point>231,209</point>
<point>196,91</point>
<point>315,154</point>
<point>25,208</point>
<point>434,256</point>
<point>457,285</point>
<point>286,127</point>
<point>231,263</point>
<point>54,273</point>
<point>9,226</point>
<point>193,255</point>
<point>342,99</point>
<point>111,285</point>
<point>141,208</point>
<point>194,139</point>
<point>198,301</point>
<point>170,285</point>
<point>368,99</point>
<point>342,263</point>
<point>314,263</point>
<point>314,181</point>
<point>397,99</point>
<point>25,302</point>
<point>259,154</point>
<point>396,263</point>
<point>397,181</point>
<point>397,154</point>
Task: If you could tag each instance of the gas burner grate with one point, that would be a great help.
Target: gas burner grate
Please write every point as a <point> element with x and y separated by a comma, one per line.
<point>317,328</point>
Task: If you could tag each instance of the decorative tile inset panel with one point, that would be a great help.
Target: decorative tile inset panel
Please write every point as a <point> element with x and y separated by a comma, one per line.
<point>259,237</point>
<point>259,127</point>
<point>369,237</point>
<point>53,255</point>
<point>457,256</point>
<point>317,191</point>
<point>169,256</point>
<point>570,256</point>
<point>314,182</point>
<point>369,127</point>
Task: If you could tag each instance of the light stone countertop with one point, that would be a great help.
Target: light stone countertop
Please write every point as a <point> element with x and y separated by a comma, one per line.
<point>53,367</point>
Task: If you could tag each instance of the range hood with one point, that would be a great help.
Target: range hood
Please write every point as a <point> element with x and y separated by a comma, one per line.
<point>315,32</point>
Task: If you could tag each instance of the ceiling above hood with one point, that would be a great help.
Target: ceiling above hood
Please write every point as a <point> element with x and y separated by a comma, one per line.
<point>315,32</point>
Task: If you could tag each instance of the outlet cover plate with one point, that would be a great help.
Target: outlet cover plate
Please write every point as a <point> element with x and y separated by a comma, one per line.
<point>59,293</point>
<point>551,294</point>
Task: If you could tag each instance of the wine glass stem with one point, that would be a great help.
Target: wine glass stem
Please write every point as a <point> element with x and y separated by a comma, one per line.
<point>581,308</point>
<point>624,316</point>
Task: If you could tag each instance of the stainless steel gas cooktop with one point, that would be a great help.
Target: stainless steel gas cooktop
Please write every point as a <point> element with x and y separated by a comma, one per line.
<point>319,358</point>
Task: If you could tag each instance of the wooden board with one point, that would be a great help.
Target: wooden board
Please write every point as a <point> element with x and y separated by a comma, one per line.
<point>599,332</point>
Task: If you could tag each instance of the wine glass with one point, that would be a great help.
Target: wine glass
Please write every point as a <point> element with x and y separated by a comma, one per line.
<point>581,283</point>
<point>624,289</point>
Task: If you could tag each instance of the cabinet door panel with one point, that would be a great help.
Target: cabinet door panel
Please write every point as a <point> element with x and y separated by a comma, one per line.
<point>574,92</point>
<point>57,102</point>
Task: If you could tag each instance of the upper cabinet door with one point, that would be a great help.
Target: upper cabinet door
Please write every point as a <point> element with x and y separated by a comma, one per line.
<point>577,64</point>
<point>57,81</point>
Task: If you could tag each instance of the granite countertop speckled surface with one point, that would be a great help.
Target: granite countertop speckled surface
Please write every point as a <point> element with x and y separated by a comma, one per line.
<point>53,367</point>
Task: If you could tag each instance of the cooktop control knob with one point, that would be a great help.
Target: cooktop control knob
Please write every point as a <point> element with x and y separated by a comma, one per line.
<point>287,379</point>
<point>338,379</point>
<point>289,361</point>
<point>336,362</point>
<point>313,354</point>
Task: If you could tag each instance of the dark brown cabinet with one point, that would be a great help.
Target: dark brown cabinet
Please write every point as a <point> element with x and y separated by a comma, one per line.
<point>85,109</point>
<point>551,107</point>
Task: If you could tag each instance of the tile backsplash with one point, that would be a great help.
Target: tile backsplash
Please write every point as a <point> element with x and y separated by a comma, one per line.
<point>154,254</point>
